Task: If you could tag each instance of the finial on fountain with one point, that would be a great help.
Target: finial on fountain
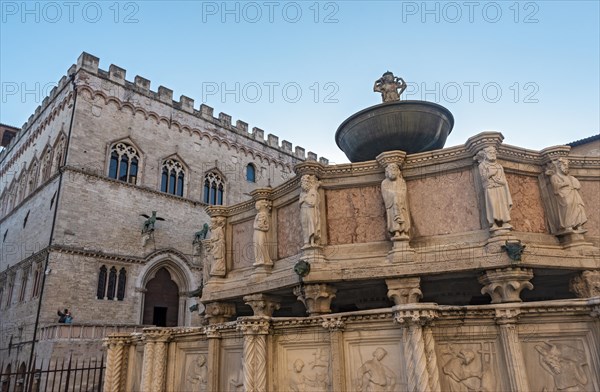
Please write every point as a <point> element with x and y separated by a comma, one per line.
<point>388,85</point>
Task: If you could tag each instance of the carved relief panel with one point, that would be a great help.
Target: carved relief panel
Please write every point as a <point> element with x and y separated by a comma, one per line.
<point>560,364</point>
<point>231,369</point>
<point>303,360</point>
<point>375,363</point>
<point>191,366</point>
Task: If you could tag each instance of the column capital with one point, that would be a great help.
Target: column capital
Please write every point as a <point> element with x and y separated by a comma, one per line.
<point>404,290</point>
<point>157,335</point>
<point>507,315</point>
<point>219,312</point>
<point>333,324</point>
<point>254,325</point>
<point>262,304</point>
<point>421,314</point>
<point>506,284</point>
<point>316,297</point>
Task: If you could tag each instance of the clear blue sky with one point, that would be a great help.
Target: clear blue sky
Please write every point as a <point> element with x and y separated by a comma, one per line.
<point>527,69</point>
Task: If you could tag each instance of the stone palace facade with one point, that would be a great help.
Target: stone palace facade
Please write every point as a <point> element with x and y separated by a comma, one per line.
<point>97,153</point>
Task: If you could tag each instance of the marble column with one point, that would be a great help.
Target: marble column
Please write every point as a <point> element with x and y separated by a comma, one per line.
<point>507,318</point>
<point>154,368</point>
<point>212,362</point>
<point>117,346</point>
<point>505,285</point>
<point>336,343</point>
<point>419,348</point>
<point>255,330</point>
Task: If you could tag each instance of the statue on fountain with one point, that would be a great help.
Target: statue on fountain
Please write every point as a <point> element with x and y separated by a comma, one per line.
<point>388,85</point>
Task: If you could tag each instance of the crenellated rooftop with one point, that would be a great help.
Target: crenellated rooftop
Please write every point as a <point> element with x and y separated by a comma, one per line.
<point>141,85</point>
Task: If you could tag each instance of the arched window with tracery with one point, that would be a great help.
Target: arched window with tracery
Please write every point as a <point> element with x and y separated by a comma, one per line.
<point>33,177</point>
<point>37,280</point>
<point>101,283</point>
<point>124,162</point>
<point>46,164</point>
<point>214,189</point>
<point>59,152</point>
<point>121,284</point>
<point>172,177</point>
<point>22,187</point>
<point>251,173</point>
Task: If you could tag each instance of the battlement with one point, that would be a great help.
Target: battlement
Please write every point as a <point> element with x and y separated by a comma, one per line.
<point>90,64</point>
<point>141,85</point>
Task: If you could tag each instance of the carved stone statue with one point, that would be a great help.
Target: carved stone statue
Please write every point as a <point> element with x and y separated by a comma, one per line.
<point>571,212</point>
<point>309,211</point>
<point>393,191</point>
<point>217,247</point>
<point>498,201</point>
<point>297,380</point>
<point>388,85</point>
<point>374,376</point>
<point>466,372</point>
<point>197,374</point>
<point>566,366</point>
<point>261,229</point>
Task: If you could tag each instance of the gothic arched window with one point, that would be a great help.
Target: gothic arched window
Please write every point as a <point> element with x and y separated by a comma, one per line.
<point>251,173</point>
<point>59,153</point>
<point>46,164</point>
<point>33,177</point>
<point>101,283</point>
<point>121,284</point>
<point>124,163</point>
<point>112,283</point>
<point>172,177</point>
<point>214,189</point>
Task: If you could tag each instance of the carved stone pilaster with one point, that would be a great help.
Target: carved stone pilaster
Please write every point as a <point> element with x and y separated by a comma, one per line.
<point>316,297</point>
<point>214,348</point>
<point>336,341</point>
<point>147,365</point>
<point>262,304</point>
<point>586,285</point>
<point>158,338</point>
<point>404,290</point>
<point>116,362</point>
<point>219,312</point>
<point>421,370</point>
<point>507,318</point>
<point>505,285</point>
<point>255,330</point>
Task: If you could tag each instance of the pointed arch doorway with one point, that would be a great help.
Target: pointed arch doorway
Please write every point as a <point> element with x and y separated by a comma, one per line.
<point>161,300</point>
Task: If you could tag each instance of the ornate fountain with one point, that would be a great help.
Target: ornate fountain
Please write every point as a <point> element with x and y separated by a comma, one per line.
<point>411,126</point>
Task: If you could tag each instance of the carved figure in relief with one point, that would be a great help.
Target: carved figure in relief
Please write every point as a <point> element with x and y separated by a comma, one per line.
<point>498,201</point>
<point>297,381</point>
<point>467,372</point>
<point>216,247</point>
<point>388,85</point>
<point>393,191</point>
<point>309,210</point>
<point>261,228</point>
<point>311,378</point>
<point>571,212</point>
<point>566,366</point>
<point>197,374</point>
<point>374,376</point>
